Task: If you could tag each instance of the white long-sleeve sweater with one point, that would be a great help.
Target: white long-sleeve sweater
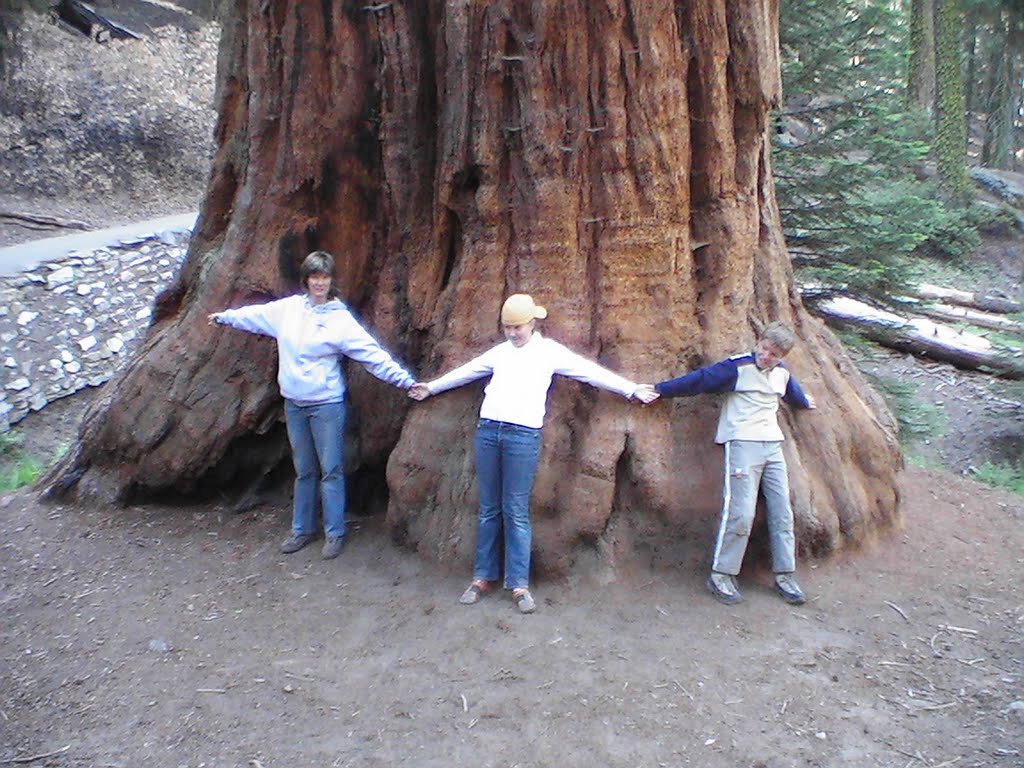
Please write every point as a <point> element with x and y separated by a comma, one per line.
<point>521,376</point>
<point>311,338</point>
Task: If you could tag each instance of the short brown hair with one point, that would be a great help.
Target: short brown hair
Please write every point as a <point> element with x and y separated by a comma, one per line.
<point>780,334</point>
<point>317,263</point>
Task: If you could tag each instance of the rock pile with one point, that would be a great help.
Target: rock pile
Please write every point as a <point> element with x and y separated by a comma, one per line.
<point>70,323</point>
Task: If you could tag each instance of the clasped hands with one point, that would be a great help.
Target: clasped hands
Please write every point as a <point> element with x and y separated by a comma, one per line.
<point>645,393</point>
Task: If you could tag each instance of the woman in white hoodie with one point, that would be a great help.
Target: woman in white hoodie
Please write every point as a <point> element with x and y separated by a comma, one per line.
<point>313,331</point>
<point>508,437</point>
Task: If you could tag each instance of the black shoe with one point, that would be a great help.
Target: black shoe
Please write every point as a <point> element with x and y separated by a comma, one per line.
<point>786,586</point>
<point>332,547</point>
<point>722,586</point>
<point>295,542</point>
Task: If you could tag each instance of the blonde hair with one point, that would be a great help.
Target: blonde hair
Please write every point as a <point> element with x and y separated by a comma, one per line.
<point>779,334</point>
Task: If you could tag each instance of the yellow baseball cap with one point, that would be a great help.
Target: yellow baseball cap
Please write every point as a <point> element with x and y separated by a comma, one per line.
<point>519,309</point>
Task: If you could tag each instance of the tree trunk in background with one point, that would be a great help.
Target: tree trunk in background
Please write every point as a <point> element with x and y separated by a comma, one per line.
<point>951,119</point>
<point>1003,96</point>
<point>609,158</point>
<point>921,71</point>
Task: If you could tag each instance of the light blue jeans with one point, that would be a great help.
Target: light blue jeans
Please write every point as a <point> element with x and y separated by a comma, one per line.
<point>506,463</point>
<point>316,434</point>
<point>752,466</point>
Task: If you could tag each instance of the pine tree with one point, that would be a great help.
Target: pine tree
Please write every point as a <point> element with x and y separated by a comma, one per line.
<point>847,147</point>
<point>951,120</point>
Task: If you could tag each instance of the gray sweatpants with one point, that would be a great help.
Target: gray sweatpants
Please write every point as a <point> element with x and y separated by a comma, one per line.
<point>750,465</point>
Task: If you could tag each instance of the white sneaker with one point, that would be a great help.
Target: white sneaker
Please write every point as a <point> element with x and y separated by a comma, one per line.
<point>722,586</point>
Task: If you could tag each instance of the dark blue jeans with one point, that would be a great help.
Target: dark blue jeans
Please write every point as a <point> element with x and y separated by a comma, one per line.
<point>506,463</point>
<point>316,434</point>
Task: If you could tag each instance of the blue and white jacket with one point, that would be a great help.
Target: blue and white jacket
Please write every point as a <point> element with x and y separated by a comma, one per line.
<point>311,339</point>
<point>751,407</point>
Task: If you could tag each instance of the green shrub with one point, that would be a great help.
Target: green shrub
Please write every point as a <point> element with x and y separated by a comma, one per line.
<point>1002,475</point>
<point>918,421</point>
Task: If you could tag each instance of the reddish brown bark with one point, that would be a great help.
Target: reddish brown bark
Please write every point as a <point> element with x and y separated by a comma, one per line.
<point>610,158</point>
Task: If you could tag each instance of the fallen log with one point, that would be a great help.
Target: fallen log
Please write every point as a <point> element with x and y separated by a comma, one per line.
<point>41,221</point>
<point>84,19</point>
<point>920,336</point>
<point>967,299</point>
<point>972,317</point>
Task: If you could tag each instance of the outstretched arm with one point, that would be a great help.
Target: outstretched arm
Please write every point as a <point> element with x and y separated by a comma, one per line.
<point>365,350</point>
<point>477,368</point>
<point>712,379</point>
<point>796,397</point>
<point>263,319</point>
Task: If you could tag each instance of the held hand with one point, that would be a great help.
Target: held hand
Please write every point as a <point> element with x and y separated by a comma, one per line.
<point>811,405</point>
<point>419,391</point>
<point>211,319</point>
<point>646,394</point>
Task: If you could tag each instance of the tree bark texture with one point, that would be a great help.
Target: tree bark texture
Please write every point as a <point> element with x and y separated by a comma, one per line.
<point>611,158</point>
<point>921,67</point>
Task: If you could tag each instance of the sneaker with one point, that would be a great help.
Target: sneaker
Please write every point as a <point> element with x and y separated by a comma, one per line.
<point>295,542</point>
<point>722,586</point>
<point>786,586</point>
<point>524,600</point>
<point>332,547</point>
<point>474,592</point>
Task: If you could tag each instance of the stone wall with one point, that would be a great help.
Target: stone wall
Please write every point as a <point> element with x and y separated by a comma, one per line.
<point>70,323</point>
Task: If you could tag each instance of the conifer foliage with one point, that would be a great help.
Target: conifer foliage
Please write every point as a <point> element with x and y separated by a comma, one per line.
<point>871,150</point>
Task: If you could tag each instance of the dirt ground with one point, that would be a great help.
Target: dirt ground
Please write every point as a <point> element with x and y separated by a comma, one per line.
<point>168,637</point>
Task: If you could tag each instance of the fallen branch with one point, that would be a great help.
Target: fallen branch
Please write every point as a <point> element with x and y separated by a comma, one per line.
<point>41,221</point>
<point>32,759</point>
<point>897,609</point>
<point>972,317</point>
<point>968,299</point>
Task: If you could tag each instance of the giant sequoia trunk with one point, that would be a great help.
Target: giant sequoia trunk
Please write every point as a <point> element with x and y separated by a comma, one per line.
<point>610,158</point>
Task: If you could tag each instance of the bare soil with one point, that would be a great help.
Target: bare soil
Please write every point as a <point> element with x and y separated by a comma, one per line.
<point>181,637</point>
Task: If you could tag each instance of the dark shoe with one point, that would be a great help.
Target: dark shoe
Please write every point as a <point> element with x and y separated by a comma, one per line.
<point>332,547</point>
<point>523,600</point>
<point>474,592</point>
<point>722,586</point>
<point>786,586</point>
<point>295,542</point>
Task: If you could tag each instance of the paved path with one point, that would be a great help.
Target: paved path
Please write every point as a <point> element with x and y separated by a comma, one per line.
<point>18,258</point>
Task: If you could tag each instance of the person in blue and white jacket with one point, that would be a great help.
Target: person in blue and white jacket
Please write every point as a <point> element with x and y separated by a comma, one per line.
<point>748,428</point>
<point>313,331</point>
<point>508,437</point>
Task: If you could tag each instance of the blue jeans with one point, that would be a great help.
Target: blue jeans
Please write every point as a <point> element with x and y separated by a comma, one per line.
<point>316,433</point>
<point>506,462</point>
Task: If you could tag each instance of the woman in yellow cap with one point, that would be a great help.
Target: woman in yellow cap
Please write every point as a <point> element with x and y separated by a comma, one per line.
<point>508,436</point>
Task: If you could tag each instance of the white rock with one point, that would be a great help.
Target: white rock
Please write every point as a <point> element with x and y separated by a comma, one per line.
<point>115,344</point>
<point>73,367</point>
<point>56,364</point>
<point>66,356</point>
<point>85,289</point>
<point>90,324</point>
<point>87,343</point>
<point>18,384</point>
<point>27,317</point>
<point>61,276</point>
<point>143,313</point>
<point>10,362</point>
